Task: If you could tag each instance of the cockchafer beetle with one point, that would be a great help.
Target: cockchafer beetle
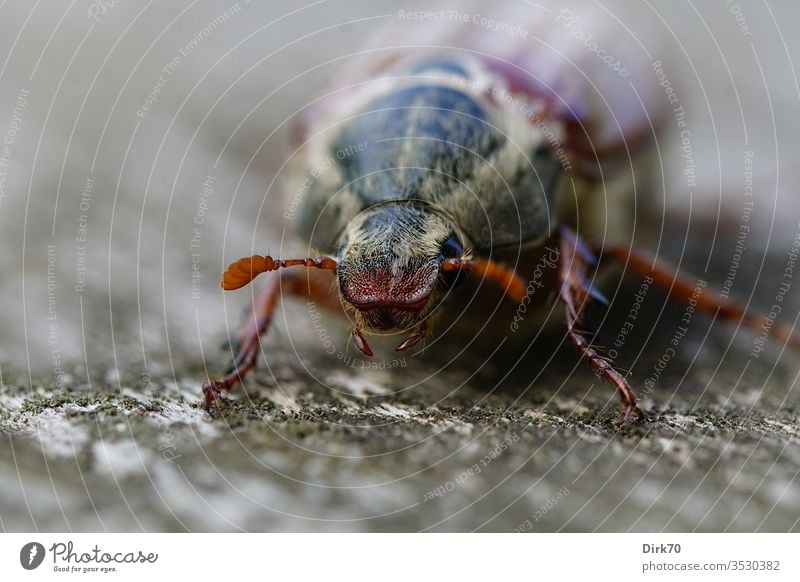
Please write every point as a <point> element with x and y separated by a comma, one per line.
<point>473,163</point>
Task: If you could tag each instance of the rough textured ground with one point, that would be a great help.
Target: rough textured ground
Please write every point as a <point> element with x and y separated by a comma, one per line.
<point>121,442</point>
<point>371,451</point>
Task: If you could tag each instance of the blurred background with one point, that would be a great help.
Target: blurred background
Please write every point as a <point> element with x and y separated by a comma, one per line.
<point>144,146</point>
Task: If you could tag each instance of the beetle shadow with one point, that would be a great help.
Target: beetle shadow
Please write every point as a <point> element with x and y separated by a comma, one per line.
<point>666,365</point>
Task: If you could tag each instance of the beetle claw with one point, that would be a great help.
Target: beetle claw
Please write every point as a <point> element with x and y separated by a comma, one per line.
<point>361,342</point>
<point>628,412</point>
<point>413,340</point>
<point>213,394</point>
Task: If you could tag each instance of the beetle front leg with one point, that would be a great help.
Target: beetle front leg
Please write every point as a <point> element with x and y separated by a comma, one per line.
<point>576,293</point>
<point>315,285</point>
<point>247,342</point>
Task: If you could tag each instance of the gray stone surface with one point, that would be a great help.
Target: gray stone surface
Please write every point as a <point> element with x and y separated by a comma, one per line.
<point>413,448</point>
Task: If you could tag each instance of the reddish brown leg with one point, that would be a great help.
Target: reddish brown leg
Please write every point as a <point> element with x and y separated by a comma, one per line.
<point>670,280</point>
<point>576,293</point>
<point>248,334</point>
<point>315,285</point>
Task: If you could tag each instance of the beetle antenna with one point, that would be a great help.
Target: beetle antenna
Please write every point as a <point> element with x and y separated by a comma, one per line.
<point>512,284</point>
<point>243,271</point>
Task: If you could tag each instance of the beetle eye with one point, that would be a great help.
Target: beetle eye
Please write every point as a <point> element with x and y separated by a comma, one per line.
<point>452,248</point>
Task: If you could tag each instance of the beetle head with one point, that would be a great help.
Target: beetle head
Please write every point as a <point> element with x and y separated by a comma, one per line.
<point>397,261</point>
<point>389,269</point>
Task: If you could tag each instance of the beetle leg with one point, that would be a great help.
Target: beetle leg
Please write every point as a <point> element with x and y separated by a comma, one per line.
<point>248,345</point>
<point>576,293</point>
<point>671,281</point>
